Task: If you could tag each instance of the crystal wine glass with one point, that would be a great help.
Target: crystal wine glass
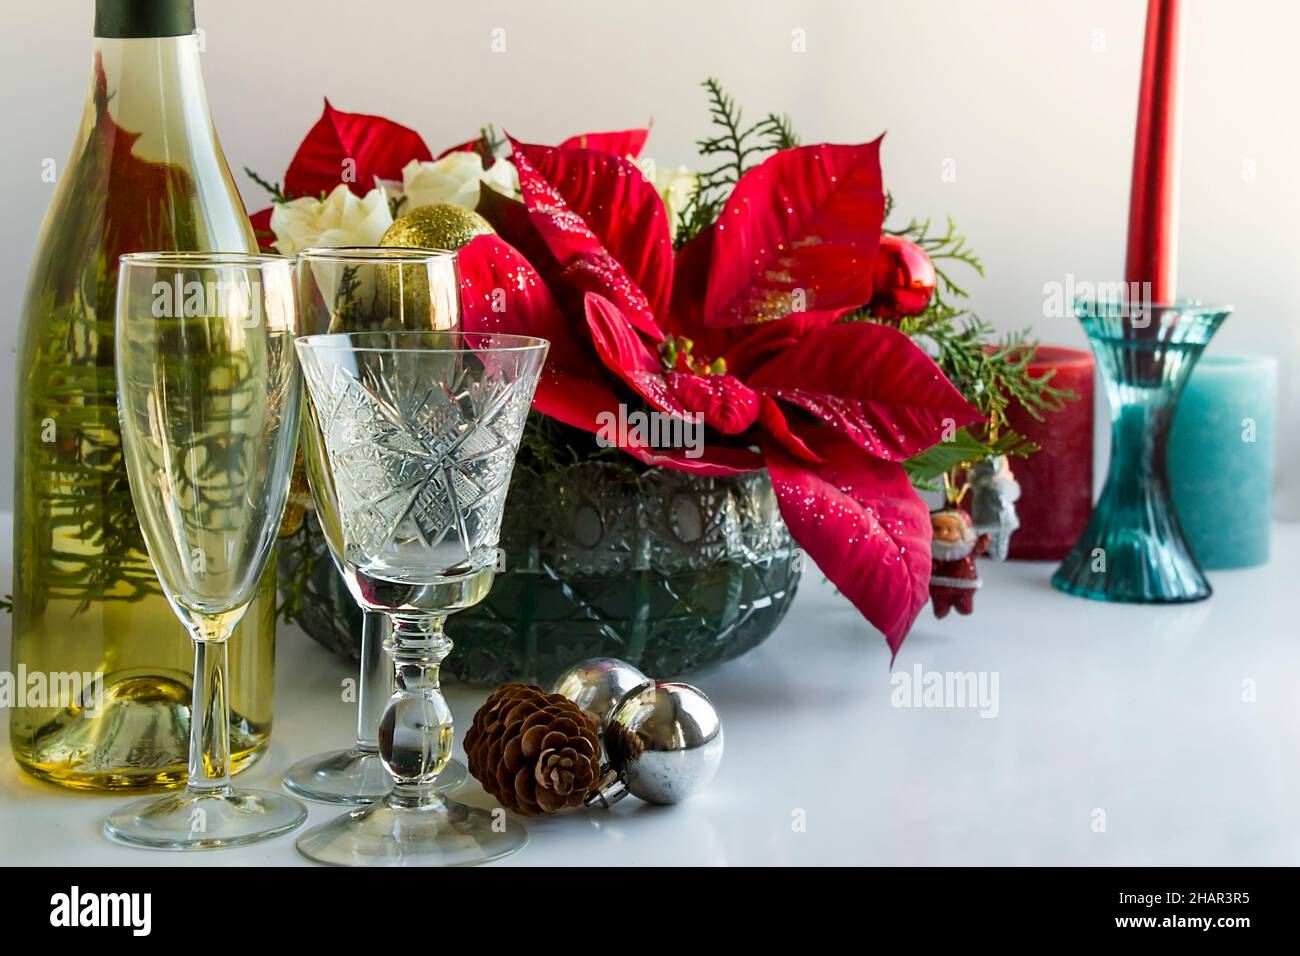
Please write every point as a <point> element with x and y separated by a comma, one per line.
<point>208,398</point>
<point>362,289</point>
<point>420,431</point>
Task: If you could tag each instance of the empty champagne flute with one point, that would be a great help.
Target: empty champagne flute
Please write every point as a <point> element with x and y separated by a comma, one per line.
<point>362,289</point>
<point>208,397</point>
<point>420,431</point>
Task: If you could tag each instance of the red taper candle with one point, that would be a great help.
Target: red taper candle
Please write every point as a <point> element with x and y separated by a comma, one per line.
<point>1153,202</point>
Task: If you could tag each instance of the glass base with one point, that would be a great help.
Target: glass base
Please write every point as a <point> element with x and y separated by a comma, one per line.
<point>354,777</point>
<point>1133,555</point>
<point>193,820</point>
<point>1160,580</point>
<point>439,832</point>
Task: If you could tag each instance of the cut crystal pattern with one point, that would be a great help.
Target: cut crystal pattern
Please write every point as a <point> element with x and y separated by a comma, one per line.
<point>421,446</point>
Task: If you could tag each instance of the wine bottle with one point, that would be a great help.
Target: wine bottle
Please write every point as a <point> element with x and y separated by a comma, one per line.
<point>107,666</point>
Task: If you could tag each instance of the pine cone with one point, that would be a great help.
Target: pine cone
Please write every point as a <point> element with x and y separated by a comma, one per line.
<point>535,752</point>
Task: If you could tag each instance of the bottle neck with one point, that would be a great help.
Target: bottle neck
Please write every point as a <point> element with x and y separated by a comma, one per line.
<point>148,150</point>
<point>152,87</point>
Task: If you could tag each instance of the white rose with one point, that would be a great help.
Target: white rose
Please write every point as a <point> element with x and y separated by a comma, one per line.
<point>340,219</point>
<point>674,186</point>
<point>504,178</point>
<point>455,179</point>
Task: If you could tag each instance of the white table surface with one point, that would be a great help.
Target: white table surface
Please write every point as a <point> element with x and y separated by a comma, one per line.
<point>1180,724</point>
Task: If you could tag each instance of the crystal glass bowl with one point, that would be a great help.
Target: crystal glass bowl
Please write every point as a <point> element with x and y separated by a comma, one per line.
<point>665,570</point>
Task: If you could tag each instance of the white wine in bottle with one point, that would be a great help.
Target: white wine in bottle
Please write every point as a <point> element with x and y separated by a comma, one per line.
<point>106,663</point>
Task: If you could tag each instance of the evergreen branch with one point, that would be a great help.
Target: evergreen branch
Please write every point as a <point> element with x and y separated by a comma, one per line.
<point>730,142</point>
<point>701,211</point>
<point>738,148</point>
<point>991,375</point>
<point>490,144</point>
<point>779,131</point>
<point>277,193</point>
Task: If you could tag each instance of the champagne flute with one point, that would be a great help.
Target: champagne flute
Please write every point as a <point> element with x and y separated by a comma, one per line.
<point>420,431</point>
<point>208,397</point>
<point>362,289</point>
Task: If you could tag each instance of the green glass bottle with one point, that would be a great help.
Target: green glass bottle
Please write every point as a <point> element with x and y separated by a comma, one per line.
<point>105,664</point>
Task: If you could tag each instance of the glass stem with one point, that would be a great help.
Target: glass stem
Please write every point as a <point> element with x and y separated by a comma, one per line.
<point>415,734</point>
<point>1137,474</point>
<point>376,684</point>
<point>210,719</point>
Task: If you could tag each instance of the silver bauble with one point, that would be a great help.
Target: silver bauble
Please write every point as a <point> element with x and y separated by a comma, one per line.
<point>663,742</point>
<point>597,684</point>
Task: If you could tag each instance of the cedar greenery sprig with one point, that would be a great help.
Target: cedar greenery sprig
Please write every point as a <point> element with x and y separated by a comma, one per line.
<point>736,146</point>
<point>489,144</point>
<point>277,192</point>
<point>993,375</point>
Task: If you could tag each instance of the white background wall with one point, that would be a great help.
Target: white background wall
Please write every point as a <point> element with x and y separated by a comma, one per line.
<point>1034,100</point>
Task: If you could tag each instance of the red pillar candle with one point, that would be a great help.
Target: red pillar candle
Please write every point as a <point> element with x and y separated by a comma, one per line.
<point>1055,481</point>
<point>1153,200</point>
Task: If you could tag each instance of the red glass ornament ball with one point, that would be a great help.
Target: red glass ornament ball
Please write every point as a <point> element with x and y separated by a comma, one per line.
<point>902,279</point>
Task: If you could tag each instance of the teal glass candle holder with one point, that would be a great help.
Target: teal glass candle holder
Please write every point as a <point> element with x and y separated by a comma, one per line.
<point>1133,549</point>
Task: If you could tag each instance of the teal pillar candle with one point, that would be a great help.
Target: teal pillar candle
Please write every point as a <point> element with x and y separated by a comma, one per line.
<point>1221,459</point>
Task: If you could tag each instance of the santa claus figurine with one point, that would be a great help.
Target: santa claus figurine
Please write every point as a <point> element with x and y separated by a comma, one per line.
<point>954,548</point>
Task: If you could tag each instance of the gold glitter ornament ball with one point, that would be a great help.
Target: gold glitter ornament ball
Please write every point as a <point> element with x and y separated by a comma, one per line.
<point>296,508</point>
<point>440,226</point>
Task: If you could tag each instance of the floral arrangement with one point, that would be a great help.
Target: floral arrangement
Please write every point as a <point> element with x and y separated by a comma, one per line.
<point>765,297</point>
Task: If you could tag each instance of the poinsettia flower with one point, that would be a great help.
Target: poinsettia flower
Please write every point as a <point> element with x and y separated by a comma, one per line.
<point>605,226</point>
<point>354,149</point>
<point>832,406</point>
<point>501,292</point>
<point>627,356</point>
<point>623,143</point>
<point>798,233</point>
